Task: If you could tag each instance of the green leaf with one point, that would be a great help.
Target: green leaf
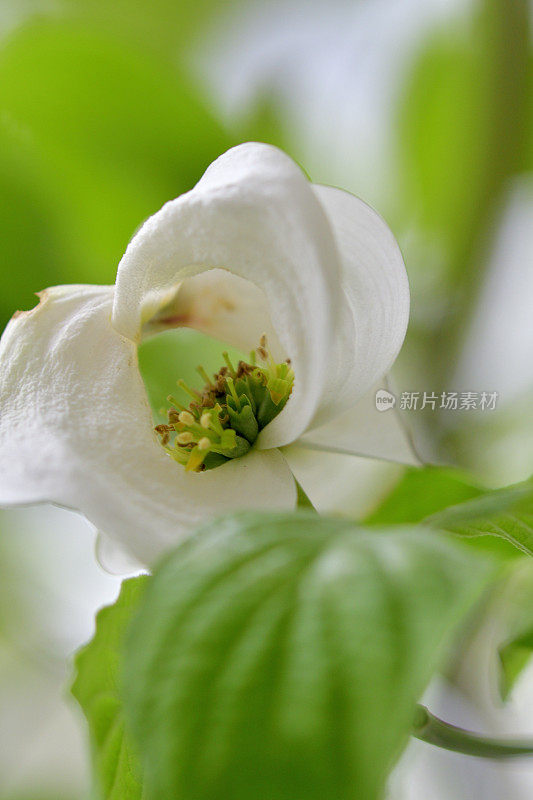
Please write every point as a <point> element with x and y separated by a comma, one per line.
<point>422,492</point>
<point>282,655</point>
<point>505,513</point>
<point>97,688</point>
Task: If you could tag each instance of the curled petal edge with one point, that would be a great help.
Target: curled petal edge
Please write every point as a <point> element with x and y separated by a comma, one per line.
<point>76,430</point>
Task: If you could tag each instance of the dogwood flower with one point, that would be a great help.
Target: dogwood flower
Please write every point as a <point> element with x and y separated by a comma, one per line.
<point>254,254</point>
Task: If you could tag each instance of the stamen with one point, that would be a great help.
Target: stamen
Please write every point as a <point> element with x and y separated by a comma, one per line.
<point>226,358</point>
<point>178,454</point>
<point>203,374</point>
<point>186,418</point>
<point>231,387</point>
<point>172,400</point>
<point>164,432</point>
<point>192,392</point>
<point>224,419</point>
<point>218,421</point>
<point>195,460</point>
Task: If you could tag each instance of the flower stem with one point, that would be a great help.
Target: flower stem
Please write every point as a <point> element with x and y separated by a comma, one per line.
<point>433,730</point>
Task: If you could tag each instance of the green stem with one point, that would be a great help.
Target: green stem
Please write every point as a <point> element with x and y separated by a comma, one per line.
<point>433,730</point>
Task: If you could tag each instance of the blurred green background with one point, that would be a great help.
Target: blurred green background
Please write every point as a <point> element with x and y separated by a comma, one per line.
<point>107,110</point>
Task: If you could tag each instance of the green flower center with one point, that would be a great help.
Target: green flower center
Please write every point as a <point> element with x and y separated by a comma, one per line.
<point>225,417</point>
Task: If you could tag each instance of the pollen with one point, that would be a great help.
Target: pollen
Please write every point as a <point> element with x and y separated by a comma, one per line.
<point>226,416</point>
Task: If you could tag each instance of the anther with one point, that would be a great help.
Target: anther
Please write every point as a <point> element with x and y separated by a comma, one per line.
<point>185,438</point>
<point>186,417</point>
<point>164,432</point>
<point>205,420</point>
<point>204,443</point>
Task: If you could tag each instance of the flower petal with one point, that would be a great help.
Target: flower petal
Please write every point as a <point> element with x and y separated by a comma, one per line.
<point>76,429</point>
<point>254,214</point>
<point>113,558</point>
<point>373,317</point>
<point>223,306</point>
<point>340,483</point>
<point>365,431</point>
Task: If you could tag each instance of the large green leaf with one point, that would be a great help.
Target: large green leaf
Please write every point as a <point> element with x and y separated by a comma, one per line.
<point>282,655</point>
<point>95,135</point>
<point>421,492</point>
<point>505,513</point>
<point>97,688</point>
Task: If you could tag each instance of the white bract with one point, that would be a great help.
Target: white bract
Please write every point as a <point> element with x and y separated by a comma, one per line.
<point>254,248</point>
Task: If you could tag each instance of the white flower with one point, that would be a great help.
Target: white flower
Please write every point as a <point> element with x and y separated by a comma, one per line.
<point>253,248</point>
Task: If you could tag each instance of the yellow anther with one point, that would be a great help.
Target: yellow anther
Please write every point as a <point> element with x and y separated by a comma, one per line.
<point>205,420</point>
<point>185,438</point>
<point>186,417</point>
<point>204,443</point>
